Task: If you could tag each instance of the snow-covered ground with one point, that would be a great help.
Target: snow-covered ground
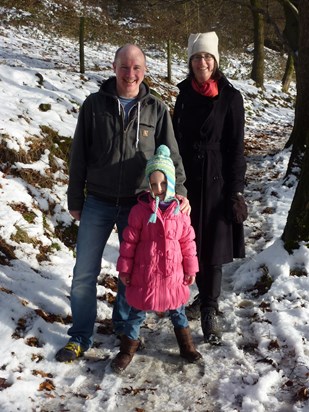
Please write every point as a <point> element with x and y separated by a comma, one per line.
<point>263,363</point>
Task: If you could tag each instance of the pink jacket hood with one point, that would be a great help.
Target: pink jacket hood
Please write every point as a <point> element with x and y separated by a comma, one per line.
<point>156,256</point>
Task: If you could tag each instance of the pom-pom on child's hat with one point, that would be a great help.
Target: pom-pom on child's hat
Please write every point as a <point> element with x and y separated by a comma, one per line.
<point>203,43</point>
<point>162,161</point>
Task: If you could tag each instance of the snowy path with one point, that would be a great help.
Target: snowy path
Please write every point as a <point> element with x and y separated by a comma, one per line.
<point>158,376</point>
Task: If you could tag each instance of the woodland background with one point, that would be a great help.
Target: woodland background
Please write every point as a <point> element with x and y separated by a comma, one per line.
<point>244,26</point>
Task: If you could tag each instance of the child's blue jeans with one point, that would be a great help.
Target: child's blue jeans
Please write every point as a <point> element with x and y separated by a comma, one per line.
<point>136,318</point>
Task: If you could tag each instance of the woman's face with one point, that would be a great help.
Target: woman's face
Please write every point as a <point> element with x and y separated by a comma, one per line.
<point>203,65</point>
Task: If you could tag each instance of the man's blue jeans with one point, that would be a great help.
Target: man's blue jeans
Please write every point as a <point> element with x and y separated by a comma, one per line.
<point>136,318</point>
<point>96,224</point>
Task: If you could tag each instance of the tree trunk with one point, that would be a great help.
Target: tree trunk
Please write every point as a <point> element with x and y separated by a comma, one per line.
<point>81,45</point>
<point>297,226</point>
<point>257,73</point>
<point>301,123</point>
<point>288,74</point>
<point>291,29</point>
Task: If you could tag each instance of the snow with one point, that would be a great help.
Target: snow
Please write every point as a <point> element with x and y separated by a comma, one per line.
<point>263,363</point>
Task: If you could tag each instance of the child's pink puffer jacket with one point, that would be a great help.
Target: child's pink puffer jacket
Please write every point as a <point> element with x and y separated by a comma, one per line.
<point>156,256</point>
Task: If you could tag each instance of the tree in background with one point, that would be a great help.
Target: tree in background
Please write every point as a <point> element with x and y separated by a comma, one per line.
<point>288,73</point>
<point>291,29</point>
<point>257,73</point>
<point>298,138</point>
<point>297,226</point>
<point>290,33</point>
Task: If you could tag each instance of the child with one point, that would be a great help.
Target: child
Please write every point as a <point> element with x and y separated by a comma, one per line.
<point>157,261</point>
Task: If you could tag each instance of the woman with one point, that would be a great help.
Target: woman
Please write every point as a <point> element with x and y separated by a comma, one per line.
<point>209,127</point>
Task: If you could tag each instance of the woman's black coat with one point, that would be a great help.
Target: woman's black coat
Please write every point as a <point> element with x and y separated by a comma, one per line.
<point>210,134</point>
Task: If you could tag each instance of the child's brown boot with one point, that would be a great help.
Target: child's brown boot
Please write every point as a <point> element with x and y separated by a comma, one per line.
<point>186,345</point>
<point>128,347</point>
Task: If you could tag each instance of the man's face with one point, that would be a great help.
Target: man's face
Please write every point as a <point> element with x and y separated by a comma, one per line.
<point>130,69</point>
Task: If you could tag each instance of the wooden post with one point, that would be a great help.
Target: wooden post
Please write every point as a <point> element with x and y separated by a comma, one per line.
<point>169,62</point>
<point>81,45</point>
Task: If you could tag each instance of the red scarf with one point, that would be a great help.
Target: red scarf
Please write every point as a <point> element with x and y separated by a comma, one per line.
<point>208,88</point>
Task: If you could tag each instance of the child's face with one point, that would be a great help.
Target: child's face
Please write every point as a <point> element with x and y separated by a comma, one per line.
<point>158,184</point>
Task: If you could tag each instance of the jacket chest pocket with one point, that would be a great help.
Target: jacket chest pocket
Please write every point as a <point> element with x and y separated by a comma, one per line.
<point>146,139</point>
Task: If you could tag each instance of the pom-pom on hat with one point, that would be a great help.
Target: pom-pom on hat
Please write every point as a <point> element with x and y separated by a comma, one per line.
<point>203,43</point>
<point>162,161</point>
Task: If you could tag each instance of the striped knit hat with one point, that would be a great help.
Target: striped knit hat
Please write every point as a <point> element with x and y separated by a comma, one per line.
<point>161,161</point>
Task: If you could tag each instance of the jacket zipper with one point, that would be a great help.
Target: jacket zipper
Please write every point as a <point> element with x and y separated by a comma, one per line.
<point>124,134</point>
<point>162,298</point>
<point>121,115</point>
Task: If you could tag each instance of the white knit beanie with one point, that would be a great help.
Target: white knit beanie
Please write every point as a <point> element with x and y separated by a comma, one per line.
<point>203,42</point>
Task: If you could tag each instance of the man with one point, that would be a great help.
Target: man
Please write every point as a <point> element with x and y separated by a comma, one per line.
<point>118,130</point>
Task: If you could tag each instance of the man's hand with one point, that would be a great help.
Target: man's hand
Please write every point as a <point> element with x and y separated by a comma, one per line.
<point>75,214</point>
<point>184,204</point>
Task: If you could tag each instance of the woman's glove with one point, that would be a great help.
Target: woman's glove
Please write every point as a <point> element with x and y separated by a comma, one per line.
<point>239,210</point>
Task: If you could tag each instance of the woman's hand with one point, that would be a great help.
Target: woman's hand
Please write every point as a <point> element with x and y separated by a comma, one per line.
<point>185,206</point>
<point>237,210</point>
<point>189,280</point>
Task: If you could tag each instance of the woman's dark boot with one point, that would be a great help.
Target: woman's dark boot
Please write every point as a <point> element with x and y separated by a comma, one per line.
<point>193,311</point>
<point>186,345</point>
<point>210,326</point>
<point>128,347</point>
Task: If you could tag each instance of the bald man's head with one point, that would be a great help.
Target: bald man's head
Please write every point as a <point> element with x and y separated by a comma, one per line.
<point>130,67</point>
